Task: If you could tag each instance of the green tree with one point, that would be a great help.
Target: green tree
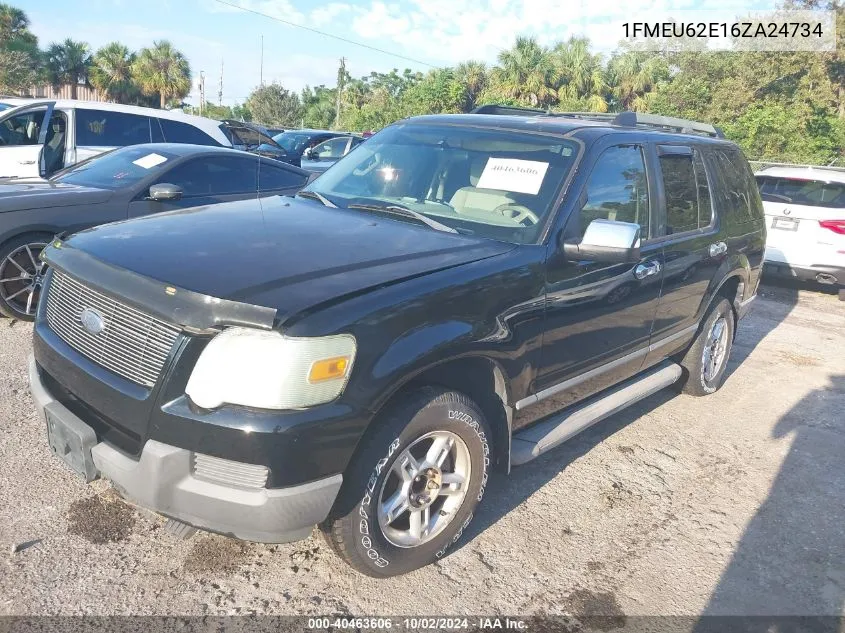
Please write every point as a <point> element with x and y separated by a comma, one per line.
<point>526,74</point>
<point>274,105</point>
<point>473,75</point>
<point>164,71</point>
<point>319,105</point>
<point>111,72</point>
<point>20,58</point>
<point>68,63</point>
<point>634,74</point>
<point>581,75</point>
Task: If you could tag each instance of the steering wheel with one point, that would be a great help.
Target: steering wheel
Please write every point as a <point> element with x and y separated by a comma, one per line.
<point>375,159</point>
<point>518,213</point>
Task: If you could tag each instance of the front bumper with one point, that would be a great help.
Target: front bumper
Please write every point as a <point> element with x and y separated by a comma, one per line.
<point>162,480</point>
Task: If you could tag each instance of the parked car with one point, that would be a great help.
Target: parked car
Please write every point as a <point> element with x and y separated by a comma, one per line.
<point>320,157</point>
<point>361,356</point>
<point>255,139</point>
<point>297,142</point>
<point>805,213</point>
<point>124,183</point>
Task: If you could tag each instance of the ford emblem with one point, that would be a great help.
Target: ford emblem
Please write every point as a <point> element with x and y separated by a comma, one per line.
<point>92,321</point>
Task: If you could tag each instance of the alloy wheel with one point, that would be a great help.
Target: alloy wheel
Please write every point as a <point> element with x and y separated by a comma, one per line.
<point>714,355</point>
<point>21,277</point>
<point>425,488</point>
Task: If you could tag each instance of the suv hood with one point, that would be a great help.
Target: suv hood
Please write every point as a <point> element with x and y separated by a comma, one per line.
<point>290,255</point>
<point>18,195</point>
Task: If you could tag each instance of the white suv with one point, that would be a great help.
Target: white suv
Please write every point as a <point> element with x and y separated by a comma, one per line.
<point>39,137</point>
<point>805,218</point>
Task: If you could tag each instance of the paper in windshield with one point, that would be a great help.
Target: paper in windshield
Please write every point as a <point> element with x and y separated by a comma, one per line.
<point>512,174</point>
<point>150,160</point>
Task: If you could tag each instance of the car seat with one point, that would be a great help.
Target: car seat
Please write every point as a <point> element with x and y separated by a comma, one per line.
<point>54,148</point>
<point>475,200</point>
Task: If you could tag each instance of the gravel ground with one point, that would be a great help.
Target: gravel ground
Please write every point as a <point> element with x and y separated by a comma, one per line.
<point>731,503</point>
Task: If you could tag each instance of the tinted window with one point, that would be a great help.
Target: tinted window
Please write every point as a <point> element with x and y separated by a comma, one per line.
<point>812,193</point>
<point>272,177</point>
<point>293,142</point>
<point>117,169</point>
<point>688,206</point>
<point>101,128</point>
<point>215,176</point>
<point>618,189</point>
<point>334,148</point>
<point>22,129</point>
<point>178,132</point>
<point>738,192</point>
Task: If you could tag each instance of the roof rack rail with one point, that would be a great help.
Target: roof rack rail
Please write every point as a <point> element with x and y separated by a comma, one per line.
<point>623,119</point>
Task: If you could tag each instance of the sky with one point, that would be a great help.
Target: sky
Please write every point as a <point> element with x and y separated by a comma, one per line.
<point>429,32</point>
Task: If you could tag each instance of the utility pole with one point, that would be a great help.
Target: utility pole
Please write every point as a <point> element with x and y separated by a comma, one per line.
<point>261,70</point>
<point>220,89</point>
<point>202,92</point>
<point>341,81</point>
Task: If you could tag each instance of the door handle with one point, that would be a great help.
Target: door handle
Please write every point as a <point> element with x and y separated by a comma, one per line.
<point>646,270</point>
<point>26,162</point>
<point>718,248</point>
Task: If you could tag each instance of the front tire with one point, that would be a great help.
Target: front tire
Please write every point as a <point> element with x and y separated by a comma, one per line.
<point>707,358</point>
<point>411,492</point>
<point>21,275</point>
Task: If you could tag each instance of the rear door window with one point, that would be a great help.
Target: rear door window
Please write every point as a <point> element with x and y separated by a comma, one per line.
<point>685,187</point>
<point>103,128</point>
<point>618,189</point>
<point>273,177</point>
<point>179,132</point>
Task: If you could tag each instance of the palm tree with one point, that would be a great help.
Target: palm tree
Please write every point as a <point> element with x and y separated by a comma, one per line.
<point>581,74</point>
<point>162,70</point>
<point>111,72</point>
<point>14,26</point>
<point>473,75</point>
<point>526,73</point>
<point>633,75</point>
<point>68,63</point>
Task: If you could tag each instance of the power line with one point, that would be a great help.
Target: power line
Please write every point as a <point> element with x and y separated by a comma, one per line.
<point>324,34</point>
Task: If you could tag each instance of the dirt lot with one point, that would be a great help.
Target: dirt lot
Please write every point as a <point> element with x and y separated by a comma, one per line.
<point>734,503</point>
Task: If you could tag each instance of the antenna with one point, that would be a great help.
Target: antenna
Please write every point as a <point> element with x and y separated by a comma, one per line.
<point>220,89</point>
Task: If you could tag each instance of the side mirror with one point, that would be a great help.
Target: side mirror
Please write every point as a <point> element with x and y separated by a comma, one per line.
<point>607,241</point>
<point>165,191</point>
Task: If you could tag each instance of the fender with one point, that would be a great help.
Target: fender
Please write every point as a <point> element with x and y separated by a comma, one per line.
<point>734,265</point>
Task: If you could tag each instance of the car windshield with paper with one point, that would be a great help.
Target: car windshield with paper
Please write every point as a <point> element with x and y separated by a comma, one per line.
<point>486,182</point>
<point>119,168</point>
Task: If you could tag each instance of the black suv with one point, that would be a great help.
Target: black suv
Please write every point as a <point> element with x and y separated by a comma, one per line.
<point>462,292</point>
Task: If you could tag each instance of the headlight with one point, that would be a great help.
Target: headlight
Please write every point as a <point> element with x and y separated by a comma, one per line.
<point>267,370</point>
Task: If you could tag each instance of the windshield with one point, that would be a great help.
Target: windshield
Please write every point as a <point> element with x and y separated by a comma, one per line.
<point>293,142</point>
<point>485,182</point>
<point>117,169</point>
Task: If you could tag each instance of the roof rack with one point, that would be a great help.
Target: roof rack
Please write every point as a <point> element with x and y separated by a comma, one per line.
<point>623,119</point>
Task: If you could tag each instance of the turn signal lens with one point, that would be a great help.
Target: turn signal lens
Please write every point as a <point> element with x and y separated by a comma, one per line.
<point>328,369</point>
<point>837,226</point>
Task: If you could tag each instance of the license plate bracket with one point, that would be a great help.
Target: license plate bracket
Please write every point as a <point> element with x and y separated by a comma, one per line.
<point>71,440</point>
<point>785,224</point>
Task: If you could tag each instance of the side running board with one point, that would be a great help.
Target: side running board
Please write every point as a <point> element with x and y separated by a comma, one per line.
<point>536,440</point>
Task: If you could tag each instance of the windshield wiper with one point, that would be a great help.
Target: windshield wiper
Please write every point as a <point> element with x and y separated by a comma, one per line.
<point>396,209</point>
<point>318,197</point>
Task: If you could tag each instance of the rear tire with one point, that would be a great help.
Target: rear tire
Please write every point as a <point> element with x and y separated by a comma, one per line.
<point>21,275</point>
<point>411,491</point>
<point>707,358</point>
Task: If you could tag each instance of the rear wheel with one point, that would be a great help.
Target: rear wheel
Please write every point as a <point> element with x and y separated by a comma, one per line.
<point>707,359</point>
<point>411,491</point>
<point>21,275</point>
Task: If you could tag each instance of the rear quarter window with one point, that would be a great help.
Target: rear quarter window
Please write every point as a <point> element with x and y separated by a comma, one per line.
<point>736,193</point>
<point>103,128</point>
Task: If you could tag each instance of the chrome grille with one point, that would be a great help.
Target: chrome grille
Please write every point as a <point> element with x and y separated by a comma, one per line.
<point>133,344</point>
<point>229,473</point>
